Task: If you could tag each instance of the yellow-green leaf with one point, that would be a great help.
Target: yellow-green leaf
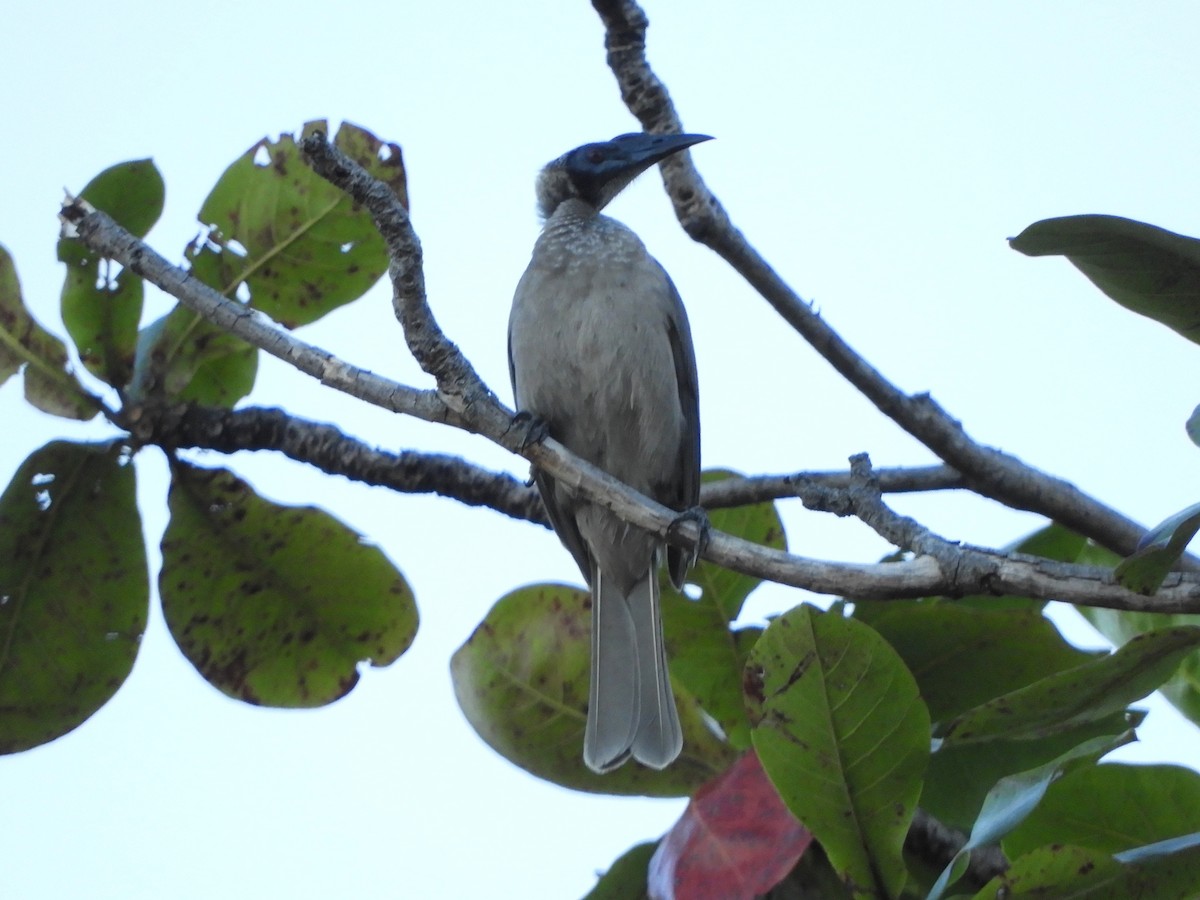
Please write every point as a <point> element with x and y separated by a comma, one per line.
<point>275,605</point>
<point>522,681</point>
<point>49,383</point>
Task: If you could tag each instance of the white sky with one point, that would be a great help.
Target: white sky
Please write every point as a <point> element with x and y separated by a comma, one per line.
<point>879,159</point>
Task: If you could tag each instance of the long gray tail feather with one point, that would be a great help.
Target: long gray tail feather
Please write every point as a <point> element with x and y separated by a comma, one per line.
<point>612,720</point>
<point>659,738</point>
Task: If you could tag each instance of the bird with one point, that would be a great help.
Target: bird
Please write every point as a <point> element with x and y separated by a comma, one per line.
<point>600,355</point>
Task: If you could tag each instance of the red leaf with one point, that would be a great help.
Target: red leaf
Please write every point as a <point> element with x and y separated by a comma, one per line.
<point>735,840</point>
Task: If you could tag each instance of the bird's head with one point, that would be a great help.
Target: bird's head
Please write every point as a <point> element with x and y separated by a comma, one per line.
<point>596,173</point>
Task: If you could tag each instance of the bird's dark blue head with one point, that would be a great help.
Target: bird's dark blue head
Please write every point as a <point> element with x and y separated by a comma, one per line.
<point>596,173</point>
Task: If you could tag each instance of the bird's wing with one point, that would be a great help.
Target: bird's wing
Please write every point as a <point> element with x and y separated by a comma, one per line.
<point>685,488</point>
<point>562,520</point>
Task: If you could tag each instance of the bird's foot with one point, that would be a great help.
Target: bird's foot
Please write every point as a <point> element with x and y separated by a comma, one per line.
<point>529,428</point>
<point>697,516</point>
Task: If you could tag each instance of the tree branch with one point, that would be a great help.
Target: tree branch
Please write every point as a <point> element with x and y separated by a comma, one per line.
<point>985,470</point>
<point>328,449</point>
<point>187,425</point>
<point>971,572</point>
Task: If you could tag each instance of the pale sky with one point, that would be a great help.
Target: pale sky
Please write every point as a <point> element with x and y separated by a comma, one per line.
<point>878,159</point>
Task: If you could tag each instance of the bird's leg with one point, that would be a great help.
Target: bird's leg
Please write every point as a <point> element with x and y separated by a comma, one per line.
<point>530,429</point>
<point>699,518</point>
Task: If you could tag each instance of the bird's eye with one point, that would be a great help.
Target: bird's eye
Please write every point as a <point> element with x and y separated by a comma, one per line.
<point>595,156</point>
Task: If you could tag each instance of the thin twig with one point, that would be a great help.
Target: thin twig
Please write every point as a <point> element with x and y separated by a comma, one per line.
<point>460,386</point>
<point>744,490</point>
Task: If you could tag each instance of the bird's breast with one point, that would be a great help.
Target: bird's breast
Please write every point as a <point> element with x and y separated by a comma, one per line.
<point>591,352</point>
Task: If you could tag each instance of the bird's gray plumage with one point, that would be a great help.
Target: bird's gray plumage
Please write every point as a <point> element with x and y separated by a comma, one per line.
<point>600,350</point>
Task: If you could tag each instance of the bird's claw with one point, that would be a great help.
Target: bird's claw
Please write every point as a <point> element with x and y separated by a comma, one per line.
<point>530,429</point>
<point>699,518</point>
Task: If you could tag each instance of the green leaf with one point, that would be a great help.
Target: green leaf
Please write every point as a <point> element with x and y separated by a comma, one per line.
<point>1014,798</point>
<point>1112,808</point>
<point>49,384</point>
<point>962,657</point>
<point>300,245</point>
<point>1193,426</point>
<point>183,357</point>
<point>1183,688</point>
<point>843,735</point>
<point>1147,269</point>
<point>704,652</point>
<point>74,591</point>
<point>522,681</point>
<point>275,605</point>
<point>101,309</point>
<point>1056,871</point>
<point>1082,874</point>
<point>959,776</point>
<point>626,877</point>
<point>1159,550</point>
<point>1083,694</point>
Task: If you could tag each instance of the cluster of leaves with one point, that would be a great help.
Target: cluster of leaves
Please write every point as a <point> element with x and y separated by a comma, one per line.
<point>819,728</point>
<point>273,604</point>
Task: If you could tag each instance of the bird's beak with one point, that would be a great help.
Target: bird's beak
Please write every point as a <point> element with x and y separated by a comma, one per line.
<point>644,150</point>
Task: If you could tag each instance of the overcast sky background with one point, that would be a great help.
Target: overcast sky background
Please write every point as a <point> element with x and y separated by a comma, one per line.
<point>878,158</point>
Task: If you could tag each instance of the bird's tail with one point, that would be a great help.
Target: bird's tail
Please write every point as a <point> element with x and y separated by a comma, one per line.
<point>631,710</point>
<point>659,737</point>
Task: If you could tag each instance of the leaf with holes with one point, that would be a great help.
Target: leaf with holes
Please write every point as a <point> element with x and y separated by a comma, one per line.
<point>74,591</point>
<point>300,245</point>
<point>844,737</point>
<point>275,605</point>
<point>736,839</point>
<point>1147,269</point>
<point>522,681</point>
<point>101,309</point>
<point>49,384</point>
